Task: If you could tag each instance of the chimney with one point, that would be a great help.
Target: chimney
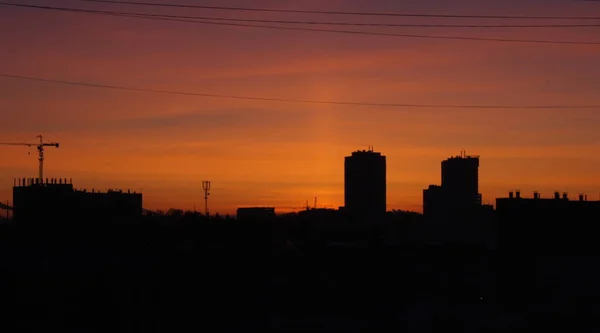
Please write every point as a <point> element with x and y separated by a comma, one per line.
<point>518,194</point>
<point>536,195</point>
<point>60,181</point>
<point>580,197</point>
<point>510,195</point>
<point>556,195</point>
<point>565,196</point>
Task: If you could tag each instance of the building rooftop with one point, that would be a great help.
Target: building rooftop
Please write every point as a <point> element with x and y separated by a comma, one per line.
<point>28,182</point>
<point>516,195</point>
<point>368,151</point>
<point>62,183</point>
<point>463,156</point>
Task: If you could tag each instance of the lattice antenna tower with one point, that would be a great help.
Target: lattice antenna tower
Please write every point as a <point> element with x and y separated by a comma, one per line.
<point>206,188</point>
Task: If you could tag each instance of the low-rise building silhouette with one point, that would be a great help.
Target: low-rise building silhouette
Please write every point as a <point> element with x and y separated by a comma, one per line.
<point>253,214</point>
<point>322,214</point>
<point>556,224</point>
<point>533,232</point>
<point>36,201</point>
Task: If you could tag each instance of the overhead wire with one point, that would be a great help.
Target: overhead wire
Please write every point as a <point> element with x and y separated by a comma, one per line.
<point>299,11</point>
<point>358,24</point>
<point>370,33</point>
<point>174,18</point>
<point>300,101</point>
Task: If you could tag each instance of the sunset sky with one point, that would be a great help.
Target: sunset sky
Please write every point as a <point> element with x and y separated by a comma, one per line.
<point>259,153</point>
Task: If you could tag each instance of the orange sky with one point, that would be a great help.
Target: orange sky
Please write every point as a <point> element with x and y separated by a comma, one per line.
<point>282,154</point>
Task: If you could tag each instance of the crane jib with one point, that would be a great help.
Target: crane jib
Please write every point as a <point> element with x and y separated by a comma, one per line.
<point>40,147</point>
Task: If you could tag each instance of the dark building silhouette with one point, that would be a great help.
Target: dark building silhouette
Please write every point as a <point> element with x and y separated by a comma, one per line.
<point>57,200</point>
<point>459,192</point>
<point>433,201</point>
<point>541,225</point>
<point>365,186</point>
<point>256,214</point>
<point>460,177</point>
<point>453,211</point>
<point>541,242</point>
<point>324,214</point>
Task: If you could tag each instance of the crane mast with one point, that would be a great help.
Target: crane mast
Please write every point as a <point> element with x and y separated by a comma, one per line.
<point>40,147</point>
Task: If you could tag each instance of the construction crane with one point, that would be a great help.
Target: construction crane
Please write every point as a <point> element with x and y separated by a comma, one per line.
<point>40,147</point>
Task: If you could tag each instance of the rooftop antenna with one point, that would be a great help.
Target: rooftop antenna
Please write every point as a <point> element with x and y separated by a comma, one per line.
<point>206,188</point>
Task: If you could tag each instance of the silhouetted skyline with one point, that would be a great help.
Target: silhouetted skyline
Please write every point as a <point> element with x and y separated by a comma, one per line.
<point>270,106</point>
<point>264,153</point>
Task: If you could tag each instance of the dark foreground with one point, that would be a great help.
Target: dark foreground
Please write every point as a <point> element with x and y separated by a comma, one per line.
<point>98,281</point>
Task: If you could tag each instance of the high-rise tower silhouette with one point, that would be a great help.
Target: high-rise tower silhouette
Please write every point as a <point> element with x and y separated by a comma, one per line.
<point>459,192</point>
<point>365,185</point>
<point>460,179</point>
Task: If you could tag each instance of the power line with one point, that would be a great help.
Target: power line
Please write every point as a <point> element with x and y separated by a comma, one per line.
<point>298,11</point>
<point>304,101</point>
<point>370,24</point>
<point>369,33</point>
